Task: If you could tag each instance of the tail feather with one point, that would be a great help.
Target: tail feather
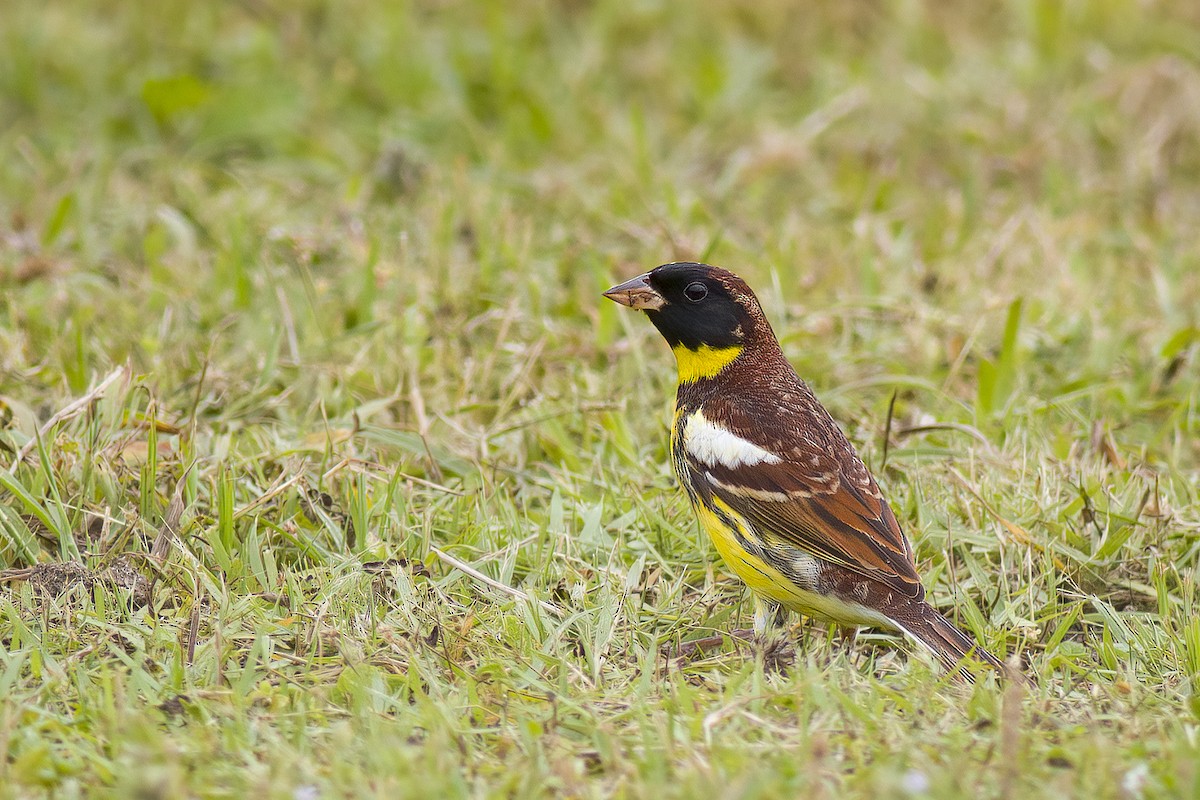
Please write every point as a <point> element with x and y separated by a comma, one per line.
<point>953,648</point>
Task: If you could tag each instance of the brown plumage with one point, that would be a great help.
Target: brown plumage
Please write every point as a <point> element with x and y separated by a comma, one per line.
<point>788,502</point>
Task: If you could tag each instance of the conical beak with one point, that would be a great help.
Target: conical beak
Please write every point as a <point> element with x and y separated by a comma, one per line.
<point>637,294</point>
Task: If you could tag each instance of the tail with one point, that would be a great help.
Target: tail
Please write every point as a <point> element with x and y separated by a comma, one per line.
<point>952,646</point>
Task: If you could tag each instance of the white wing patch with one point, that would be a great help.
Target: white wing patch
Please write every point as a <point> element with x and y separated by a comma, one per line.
<point>758,494</point>
<point>713,445</point>
<point>807,569</point>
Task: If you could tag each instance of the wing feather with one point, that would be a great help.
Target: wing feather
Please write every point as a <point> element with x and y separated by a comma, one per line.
<point>814,494</point>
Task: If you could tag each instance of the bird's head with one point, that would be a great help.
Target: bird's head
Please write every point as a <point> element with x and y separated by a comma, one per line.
<point>708,315</point>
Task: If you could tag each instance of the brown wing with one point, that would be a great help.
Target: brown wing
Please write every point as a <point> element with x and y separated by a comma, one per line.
<point>818,496</point>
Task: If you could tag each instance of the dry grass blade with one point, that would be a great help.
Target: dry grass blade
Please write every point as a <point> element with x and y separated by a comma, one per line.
<point>13,575</point>
<point>70,410</point>
<point>1010,727</point>
<point>467,569</point>
<point>169,530</point>
<point>1018,534</point>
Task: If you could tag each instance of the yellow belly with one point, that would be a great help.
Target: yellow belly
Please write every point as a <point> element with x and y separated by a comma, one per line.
<point>767,581</point>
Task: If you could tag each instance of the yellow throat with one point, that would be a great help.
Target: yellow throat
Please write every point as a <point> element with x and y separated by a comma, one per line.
<point>704,361</point>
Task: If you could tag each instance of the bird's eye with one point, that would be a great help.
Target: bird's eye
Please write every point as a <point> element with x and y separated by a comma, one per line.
<point>696,292</point>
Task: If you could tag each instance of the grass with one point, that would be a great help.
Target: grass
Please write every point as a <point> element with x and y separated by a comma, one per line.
<point>342,264</point>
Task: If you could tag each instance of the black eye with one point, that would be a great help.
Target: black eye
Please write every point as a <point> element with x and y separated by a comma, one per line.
<point>696,292</point>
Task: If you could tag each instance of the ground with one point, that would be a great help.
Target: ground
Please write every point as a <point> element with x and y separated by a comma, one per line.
<point>327,472</point>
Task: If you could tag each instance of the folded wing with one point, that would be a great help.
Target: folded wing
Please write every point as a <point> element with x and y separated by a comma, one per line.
<point>808,491</point>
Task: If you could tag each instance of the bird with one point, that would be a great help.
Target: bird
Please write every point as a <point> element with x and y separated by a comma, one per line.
<point>788,503</point>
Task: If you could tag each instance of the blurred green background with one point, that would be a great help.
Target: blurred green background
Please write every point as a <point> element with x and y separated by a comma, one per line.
<point>169,170</point>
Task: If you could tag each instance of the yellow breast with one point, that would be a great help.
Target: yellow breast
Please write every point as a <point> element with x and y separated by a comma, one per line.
<point>767,580</point>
